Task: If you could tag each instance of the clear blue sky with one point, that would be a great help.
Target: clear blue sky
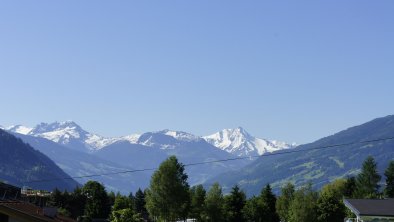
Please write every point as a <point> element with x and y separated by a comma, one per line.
<point>287,70</point>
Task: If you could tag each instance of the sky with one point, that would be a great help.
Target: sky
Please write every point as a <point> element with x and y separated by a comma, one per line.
<point>288,70</point>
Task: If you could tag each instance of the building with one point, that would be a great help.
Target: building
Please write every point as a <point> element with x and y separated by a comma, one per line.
<point>367,210</point>
<point>8,191</point>
<point>19,211</point>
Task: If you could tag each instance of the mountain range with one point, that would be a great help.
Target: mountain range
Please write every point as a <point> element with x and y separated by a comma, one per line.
<point>236,141</point>
<point>81,153</point>
<point>318,162</point>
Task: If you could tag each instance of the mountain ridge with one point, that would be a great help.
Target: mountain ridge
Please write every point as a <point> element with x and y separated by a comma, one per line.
<point>21,164</point>
<point>318,166</point>
<point>239,142</point>
<point>70,134</point>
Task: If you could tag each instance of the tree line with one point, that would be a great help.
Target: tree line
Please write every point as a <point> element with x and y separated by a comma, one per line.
<point>170,198</point>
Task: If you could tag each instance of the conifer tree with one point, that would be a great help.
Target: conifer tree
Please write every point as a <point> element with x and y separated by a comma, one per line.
<point>234,203</point>
<point>367,181</point>
<point>268,203</point>
<point>139,204</point>
<point>389,173</point>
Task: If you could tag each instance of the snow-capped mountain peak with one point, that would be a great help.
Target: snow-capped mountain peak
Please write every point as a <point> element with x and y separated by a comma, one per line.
<point>68,133</point>
<point>179,135</point>
<point>69,126</point>
<point>166,139</point>
<point>239,142</point>
<point>236,141</point>
<point>19,129</point>
<point>60,132</point>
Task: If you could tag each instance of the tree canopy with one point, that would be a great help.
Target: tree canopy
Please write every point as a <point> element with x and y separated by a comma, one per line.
<point>168,194</point>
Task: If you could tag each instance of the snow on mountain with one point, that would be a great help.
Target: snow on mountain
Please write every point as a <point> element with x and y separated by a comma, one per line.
<point>133,138</point>
<point>19,129</point>
<point>179,135</point>
<point>166,139</point>
<point>70,134</point>
<point>239,142</point>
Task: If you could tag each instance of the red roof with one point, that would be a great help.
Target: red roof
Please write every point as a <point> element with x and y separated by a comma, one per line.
<point>29,211</point>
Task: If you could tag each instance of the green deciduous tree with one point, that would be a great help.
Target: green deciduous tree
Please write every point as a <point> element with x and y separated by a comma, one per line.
<point>125,215</point>
<point>389,173</point>
<point>214,209</point>
<point>168,195</point>
<point>284,200</point>
<point>253,210</point>
<point>197,196</point>
<point>303,206</point>
<point>122,202</point>
<point>97,203</point>
<point>330,206</point>
<point>367,181</point>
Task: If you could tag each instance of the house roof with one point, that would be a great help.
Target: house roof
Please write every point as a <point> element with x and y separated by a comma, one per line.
<point>9,191</point>
<point>29,212</point>
<point>371,207</point>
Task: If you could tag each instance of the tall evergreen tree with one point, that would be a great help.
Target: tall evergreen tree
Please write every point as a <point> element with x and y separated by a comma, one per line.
<point>168,195</point>
<point>389,173</point>
<point>197,195</point>
<point>367,181</point>
<point>139,204</point>
<point>214,211</point>
<point>234,203</point>
<point>284,200</point>
<point>268,203</point>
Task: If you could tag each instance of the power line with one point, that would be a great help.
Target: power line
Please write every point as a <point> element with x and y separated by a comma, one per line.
<point>215,161</point>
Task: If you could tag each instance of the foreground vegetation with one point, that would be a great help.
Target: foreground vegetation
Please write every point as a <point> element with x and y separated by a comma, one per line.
<point>169,198</point>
